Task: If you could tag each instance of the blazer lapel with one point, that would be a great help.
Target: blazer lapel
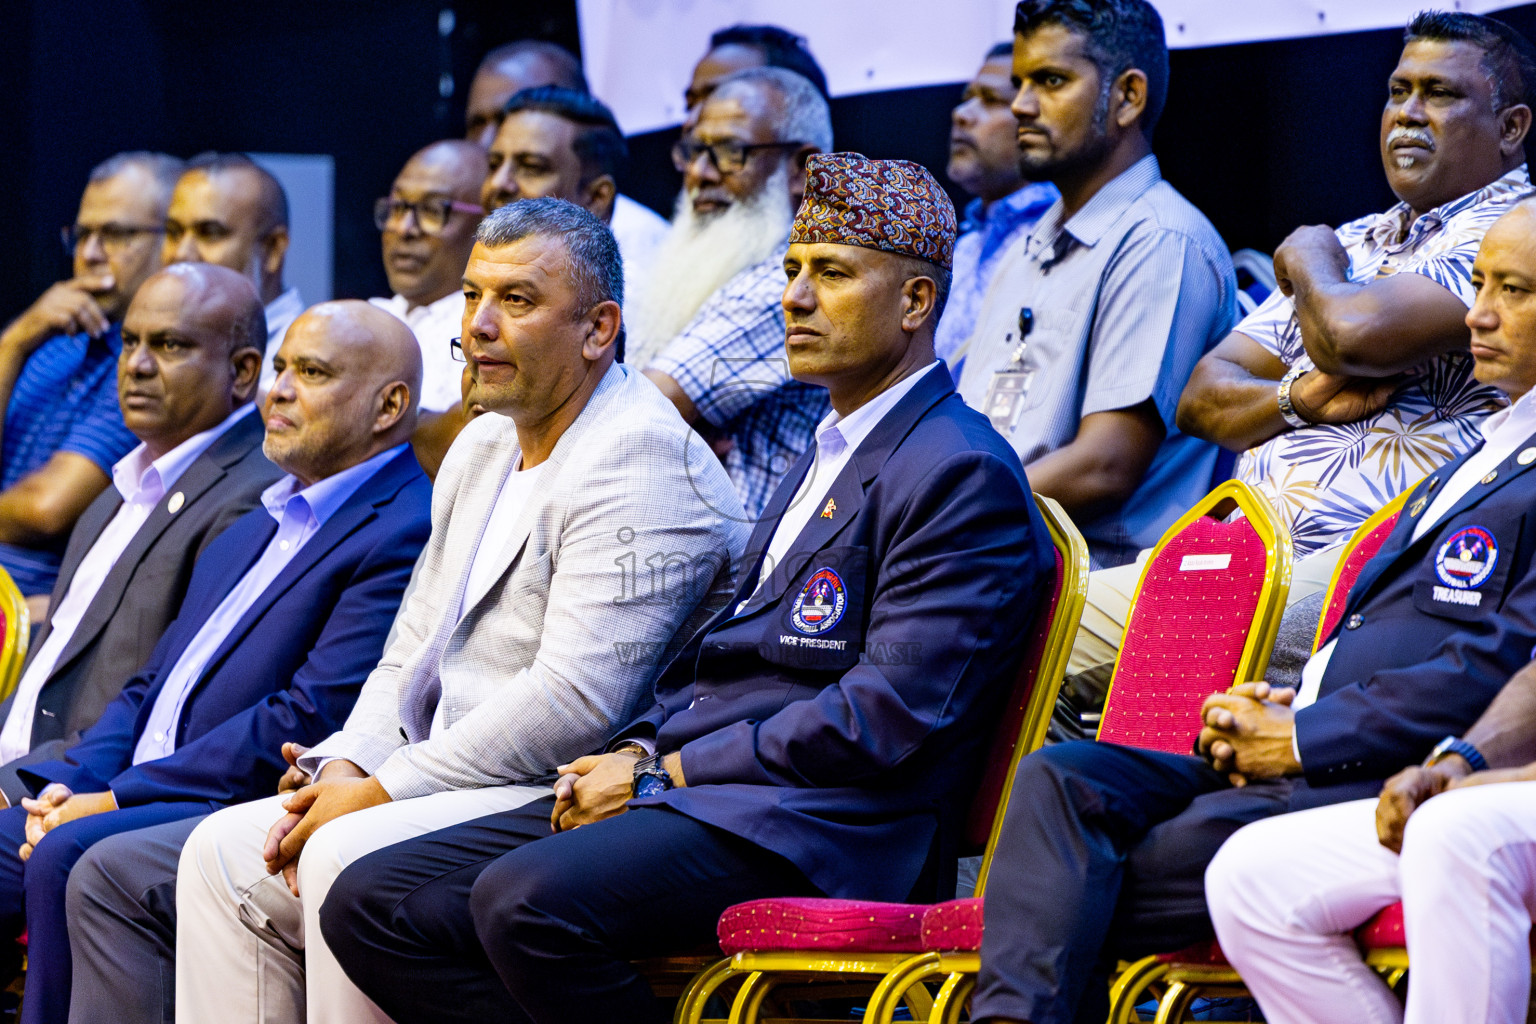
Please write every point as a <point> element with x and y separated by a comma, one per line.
<point>357,511</point>
<point>1401,544</point>
<point>206,471</point>
<point>845,498</point>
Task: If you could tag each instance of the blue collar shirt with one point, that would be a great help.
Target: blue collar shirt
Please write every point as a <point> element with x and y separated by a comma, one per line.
<point>300,512</point>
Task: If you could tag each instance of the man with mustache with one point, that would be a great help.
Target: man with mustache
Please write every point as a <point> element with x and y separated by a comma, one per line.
<point>229,210</point>
<point>566,144</point>
<point>192,341</point>
<point>62,428</point>
<point>1091,328</point>
<point>531,64</point>
<point>427,226</point>
<point>708,327</point>
<point>1354,381</point>
<point>984,160</point>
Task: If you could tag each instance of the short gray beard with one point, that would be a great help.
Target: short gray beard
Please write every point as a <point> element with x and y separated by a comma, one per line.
<point>698,257</point>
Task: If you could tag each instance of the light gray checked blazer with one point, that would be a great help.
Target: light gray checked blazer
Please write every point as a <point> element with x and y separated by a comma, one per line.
<point>626,548</point>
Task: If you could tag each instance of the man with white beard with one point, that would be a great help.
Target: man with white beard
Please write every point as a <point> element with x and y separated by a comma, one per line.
<point>708,327</point>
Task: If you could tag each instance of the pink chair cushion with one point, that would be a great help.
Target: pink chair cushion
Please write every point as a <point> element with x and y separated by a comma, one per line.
<point>955,926</point>
<point>1384,931</point>
<point>1201,954</point>
<point>763,926</point>
<point>1349,571</point>
<point>1186,635</point>
<point>983,810</point>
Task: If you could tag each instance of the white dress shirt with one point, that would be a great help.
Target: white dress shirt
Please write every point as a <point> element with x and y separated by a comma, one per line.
<point>516,491</point>
<point>837,438</point>
<point>639,230</point>
<point>1503,432</point>
<point>435,325</point>
<point>281,312</point>
<point>142,483</point>
<point>299,513</point>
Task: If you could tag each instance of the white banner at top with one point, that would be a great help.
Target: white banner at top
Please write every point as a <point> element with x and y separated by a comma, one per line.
<point>639,53</point>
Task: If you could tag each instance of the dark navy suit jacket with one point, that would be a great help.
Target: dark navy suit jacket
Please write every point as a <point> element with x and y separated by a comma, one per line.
<point>845,733</point>
<point>290,669</point>
<point>1432,630</point>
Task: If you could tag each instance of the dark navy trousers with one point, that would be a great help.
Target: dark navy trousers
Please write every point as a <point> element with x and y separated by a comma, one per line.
<point>1102,856</point>
<point>498,919</point>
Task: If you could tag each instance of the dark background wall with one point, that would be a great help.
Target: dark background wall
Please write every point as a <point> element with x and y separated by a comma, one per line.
<point>1262,137</point>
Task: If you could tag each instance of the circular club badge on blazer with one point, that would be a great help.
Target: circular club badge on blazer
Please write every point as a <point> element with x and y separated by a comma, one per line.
<point>820,604</point>
<point>1467,558</point>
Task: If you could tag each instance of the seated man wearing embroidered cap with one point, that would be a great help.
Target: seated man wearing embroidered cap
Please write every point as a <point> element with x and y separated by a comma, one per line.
<point>192,341</point>
<point>708,327</point>
<point>286,613</point>
<point>1104,850</point>
<point>427,225</point>
<point>791,751</point>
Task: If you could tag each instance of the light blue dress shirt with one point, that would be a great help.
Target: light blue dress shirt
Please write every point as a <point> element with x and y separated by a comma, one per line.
<point>299,514</point>
<point>985,233</point>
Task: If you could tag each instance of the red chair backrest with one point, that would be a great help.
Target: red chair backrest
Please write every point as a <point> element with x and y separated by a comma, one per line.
<point>1186,634</point>
<point>978,822</point>
<point>1354,560</point>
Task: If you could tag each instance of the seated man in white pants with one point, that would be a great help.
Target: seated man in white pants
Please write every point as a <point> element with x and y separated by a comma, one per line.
<point>575,539</point>
<point>1287,893</point>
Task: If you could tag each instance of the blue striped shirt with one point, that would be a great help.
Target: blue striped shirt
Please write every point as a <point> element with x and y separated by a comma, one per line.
<point>730,362</point>
<point>65,400</point>
<point>1126,296</point>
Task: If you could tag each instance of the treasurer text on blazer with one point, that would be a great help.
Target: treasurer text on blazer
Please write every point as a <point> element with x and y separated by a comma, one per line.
<point>1432,630</point>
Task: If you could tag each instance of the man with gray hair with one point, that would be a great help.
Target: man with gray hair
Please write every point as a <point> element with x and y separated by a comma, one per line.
<point>576,539</point>
<point>62,430</point>
<point>709,327</point>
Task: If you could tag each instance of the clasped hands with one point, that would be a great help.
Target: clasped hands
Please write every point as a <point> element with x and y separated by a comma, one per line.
<point>1248,732</point>
<point>342,788</point>
<point>599,786</point>
<point>56,805</point>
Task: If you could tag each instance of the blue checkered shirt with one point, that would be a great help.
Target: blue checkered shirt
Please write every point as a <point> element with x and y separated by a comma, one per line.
<point>730,362</point>
<point>64,401</point>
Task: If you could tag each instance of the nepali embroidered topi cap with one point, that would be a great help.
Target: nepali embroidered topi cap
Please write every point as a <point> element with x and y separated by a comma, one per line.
<point>891,205</point>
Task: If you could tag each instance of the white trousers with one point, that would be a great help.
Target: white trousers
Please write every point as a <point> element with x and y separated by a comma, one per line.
<point>1287,892</point>
<point>245,944</point>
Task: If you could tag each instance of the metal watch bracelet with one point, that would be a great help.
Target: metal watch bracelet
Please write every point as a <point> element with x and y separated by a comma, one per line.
<point>1283,397</point>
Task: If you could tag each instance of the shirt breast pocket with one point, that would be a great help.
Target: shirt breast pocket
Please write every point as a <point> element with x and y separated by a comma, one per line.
<point>819,623</point>
<point>1466,572</point>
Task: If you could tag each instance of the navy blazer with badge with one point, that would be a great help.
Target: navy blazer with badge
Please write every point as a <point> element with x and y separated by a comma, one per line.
<point>291,668</point>
<point>839,720</point>
<point>1432,630</point>
<point>142,593</point>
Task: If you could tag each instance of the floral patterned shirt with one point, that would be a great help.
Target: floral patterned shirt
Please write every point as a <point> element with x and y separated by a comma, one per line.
<point>1326,479</point>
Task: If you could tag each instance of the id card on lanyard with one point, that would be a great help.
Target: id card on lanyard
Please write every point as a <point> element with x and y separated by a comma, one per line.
<point>1010,385</point>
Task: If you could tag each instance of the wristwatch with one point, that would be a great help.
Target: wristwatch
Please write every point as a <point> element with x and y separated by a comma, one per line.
<point>651,778</point>
<point>1283,397</point>
<point>1456,745</point>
